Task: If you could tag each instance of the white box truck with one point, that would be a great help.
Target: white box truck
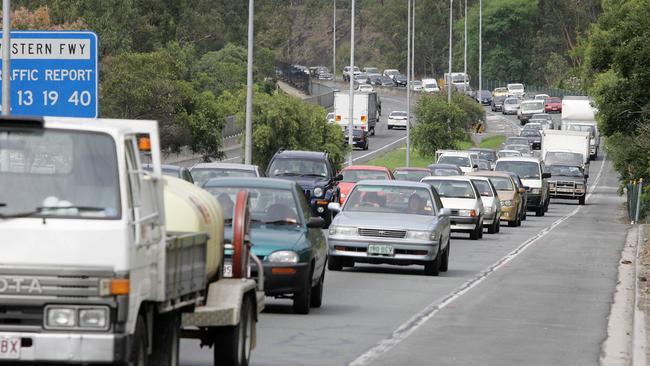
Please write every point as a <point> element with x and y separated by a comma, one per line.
<point>578,114</point>
<point>366,111</point>
<point>103,262</point>
<point>566,141</point>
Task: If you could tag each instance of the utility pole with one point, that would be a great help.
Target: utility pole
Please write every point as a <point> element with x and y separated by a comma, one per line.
<point>248,146</point>
<point>465,52</point>
<point>408,86</point>
<point>6,61</point>
<point>480,45</point>
<point>334,43</point>
<point>451,14</point>
<point>413,44</point>
<point>351,119</point>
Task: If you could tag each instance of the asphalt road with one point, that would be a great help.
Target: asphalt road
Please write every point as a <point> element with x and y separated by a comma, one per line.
<point>536,295</point>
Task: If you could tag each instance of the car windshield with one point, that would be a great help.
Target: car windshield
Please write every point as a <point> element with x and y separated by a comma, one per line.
<point>553,100</point>
<point>454,160</point>
<point>524,149</point>
<point>516,87</point>
<point>507,154</point>
<point>511,101</point>
<point>499,99</point>
<point>397,114</point>
<point>452,188</point>
<point>372,70</point>
<point>564,170</point>
<point>57,173</point>
<point>410,175</point>
<point>502,183</point>
<point>390,199</point>
<point>444,172</point>
<point>298,167</point>
<point>483,187</point>
<point>272,208</point>
<point>532,106</point>
<point>487,155</point>
<point>202,175</point>
<point>416,83</point>
<point>355,175</point>
<point>430,86</point>
<point>530,132</point>
<point>524,169</point>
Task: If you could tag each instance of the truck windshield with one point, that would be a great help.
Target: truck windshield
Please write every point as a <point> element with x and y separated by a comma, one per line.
<point>524,169</point>
<point>57,173</point>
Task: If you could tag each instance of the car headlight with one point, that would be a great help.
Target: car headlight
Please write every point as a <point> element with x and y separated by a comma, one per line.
<point>318,192</point>
<point>536,191</point>
<point>283,256</point>
<point>96,318</point>
<point>61,318</point>
<point>468,213</point>
<point>489,209</point>
<point>506,203</point>
<point>343,230</point>
<point>421,235</point>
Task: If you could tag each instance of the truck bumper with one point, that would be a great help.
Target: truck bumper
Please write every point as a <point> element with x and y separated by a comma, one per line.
<point>71,348</point>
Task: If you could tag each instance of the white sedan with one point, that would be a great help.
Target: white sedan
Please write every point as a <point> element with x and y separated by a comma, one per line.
<point>397,119</point>
<point>366,88</point>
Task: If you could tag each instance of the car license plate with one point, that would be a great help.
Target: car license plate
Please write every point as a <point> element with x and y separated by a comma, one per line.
<point>380,249</point>
<point>9,347</point>
<point>227,269</point>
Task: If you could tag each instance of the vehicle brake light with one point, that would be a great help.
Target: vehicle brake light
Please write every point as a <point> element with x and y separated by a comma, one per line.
<point>363,128</point>
<point>472,213</point>
<point>338,118</point>
<point>364,118</point>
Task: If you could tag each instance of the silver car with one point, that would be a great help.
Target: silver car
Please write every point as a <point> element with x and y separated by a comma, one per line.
<point>491,203</point>
<point>203,172</point>
<point>511,105</point>
<point>393,222</point>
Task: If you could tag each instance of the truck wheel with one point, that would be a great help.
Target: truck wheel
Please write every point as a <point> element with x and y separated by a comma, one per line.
<point>444,265</point>
<point>138,355</point>
<point>492,229</point>
<point>334,264</point>
<point>433,268</point>
<point>301,300</point>
<point>372,132</point>
<point>232,346</point>
<point>317,292</point>
<point>166,337</point>
<point>581,201</point>
<point>480,232</point>
<point>240,230</point>
<point>539,211</point>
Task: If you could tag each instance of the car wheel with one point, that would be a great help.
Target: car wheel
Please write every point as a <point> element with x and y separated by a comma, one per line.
<point>480,232</point>
<point>433,268</point>
<point>474,235</point>
<point>512,223</point>
<point>444,265</point>
<point>372,132</point>
<point>390,127</point>
<point>539,211</point>
<point>317,292</point>
<point>581,201</point>
<point>366,146</point>
<point>335,264</point>
<point>492,229</point>
<point>498,226</point>
<point>302,299</point>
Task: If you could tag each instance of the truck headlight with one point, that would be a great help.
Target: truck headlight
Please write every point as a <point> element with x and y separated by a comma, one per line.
<point>95,318</point>
<point>421,235</point>
<point>343,230</point>
<point>536,191</point>
<point>283,256</point>
<point>318,192</point>
<point>506,203</point>
<point>60,318</point>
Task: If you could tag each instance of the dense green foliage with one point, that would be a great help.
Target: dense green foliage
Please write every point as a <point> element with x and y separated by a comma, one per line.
<point>617,74</point>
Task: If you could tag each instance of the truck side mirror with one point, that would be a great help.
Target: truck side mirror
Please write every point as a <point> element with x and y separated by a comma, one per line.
<point>546,175</point>
<point>338,178</point>
<point>586,176</point>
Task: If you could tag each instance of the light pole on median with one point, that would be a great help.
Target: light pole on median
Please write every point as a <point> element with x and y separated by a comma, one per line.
<point>6,62</point>
<point>334,42</point>
<point>480,45</point>
<point>448,81</point>
<point>351,117</point>
<point>408,86</point>
<point>248,145</point>
<point>465,52</point>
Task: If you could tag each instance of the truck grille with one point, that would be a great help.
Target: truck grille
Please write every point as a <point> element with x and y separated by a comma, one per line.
<point>564,184</point>
<point>382,233</point>
<point>26,316</point>
<point>50,282</point>
<point>455,212</point>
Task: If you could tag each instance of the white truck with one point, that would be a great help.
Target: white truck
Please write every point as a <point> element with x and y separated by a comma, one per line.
<point>103,262</point>
<point>579,115</point>
<point>459,80</point>
<point>559,146</point>
<point>516,90</point>
<point>366,111</point>
<point>467,161</point>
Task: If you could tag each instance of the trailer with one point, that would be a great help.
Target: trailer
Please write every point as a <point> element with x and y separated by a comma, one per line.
<point>578,114</point>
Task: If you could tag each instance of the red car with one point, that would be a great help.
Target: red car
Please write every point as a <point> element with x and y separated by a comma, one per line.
<point>553,104</point>
<point>354,173</point>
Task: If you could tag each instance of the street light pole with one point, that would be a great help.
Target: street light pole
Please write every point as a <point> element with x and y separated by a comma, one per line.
<point>408,86</point>
<point>480,45</point>
<point>413,44</point>
<point>334,43</point>
<point>248,146</point>
<point>465,52</point>
<point>350,120</point>
<point>6,62</point>
<point>451,13</point>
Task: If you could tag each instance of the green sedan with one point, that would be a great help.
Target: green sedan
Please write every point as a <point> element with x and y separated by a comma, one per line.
<point>284,236</point>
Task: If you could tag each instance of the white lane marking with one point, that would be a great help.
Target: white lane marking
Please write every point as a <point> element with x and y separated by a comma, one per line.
<point>236,157</point>
<point>378,150</point>
<point>419,319</point>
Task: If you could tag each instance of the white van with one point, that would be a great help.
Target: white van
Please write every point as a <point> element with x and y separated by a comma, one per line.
<point>533,174</point>
<point>430,86</point>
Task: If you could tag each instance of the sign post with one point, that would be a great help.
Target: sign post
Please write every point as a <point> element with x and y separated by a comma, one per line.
<point>54,73</point>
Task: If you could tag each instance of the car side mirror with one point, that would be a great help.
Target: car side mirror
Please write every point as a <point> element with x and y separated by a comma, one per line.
<point>316,222</point>
<point>444,212</point>
<point>334,206</point>
<point>586,176</point>
<point>546,175</point>
<point>338,178</point>
<point>475,166</point>
<point>522,190</point>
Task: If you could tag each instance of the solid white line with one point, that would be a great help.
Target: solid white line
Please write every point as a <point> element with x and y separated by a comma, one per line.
<point>419,319</point>
<point>236,157</point>
<point>380,149</point>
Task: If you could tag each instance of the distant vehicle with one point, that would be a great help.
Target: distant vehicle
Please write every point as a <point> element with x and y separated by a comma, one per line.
<point>500,92</point>
<point>330,117</point>
<point>203,172</point>
<point>315,173</point>
<point>399,80</point>
<point>483,164</point>
<point>371,71</point>
<point>533,126</point>
<point>465,160</point>
<point>541,97</point>
<point>510,196</point>
<point>348,70</point>
<point>487,154</point>
<point>511,105</point>
<point>508,153</point>
<point>544,124</point>
<point>320,73</point>
<point>355,173</point>
<point>528,108</point>
<point>430,86</point>
<point>578,114</point>
<point>360,139</point>
<point>524,149</point>
<point>483,96</point>
<point>397,119</point>
<point>411,174</point>
<point>172,171</point>
<point>459,80</point>
<point>516,140</point>
<point>367,109</point>
<point>491,203</point>
<point>534,137</point>
<point>461,196</point>
<point>442,170</point>
<point>381,80</point>
<point>391,73</point>
<point>416,86</point>
<point>553,105</point>
<point>300,69</point>
<point>568,182</point>
<point>516,90</point>
<point>383,221</point>
<point>497,103</point>
<point>366,88</point>
<point>361,78</point>
<point>534,175</point>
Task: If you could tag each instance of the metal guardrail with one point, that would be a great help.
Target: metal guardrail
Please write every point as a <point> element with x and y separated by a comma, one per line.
<point>231,128</point>
<point>638,200</point>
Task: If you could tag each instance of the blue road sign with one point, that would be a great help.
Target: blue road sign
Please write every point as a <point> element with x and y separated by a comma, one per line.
<point>54,73</point>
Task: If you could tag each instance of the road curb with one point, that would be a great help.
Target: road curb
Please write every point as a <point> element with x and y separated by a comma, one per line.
<point>619,346</point>
<point>639,357</point>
